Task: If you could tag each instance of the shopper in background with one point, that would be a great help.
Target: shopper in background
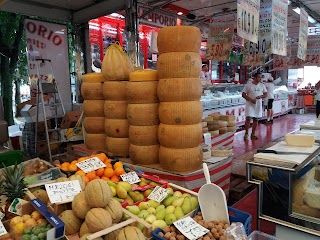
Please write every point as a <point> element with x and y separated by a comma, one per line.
<point>270,97</point>
<point>318,98</point>
<point>205,74</point>
<point>253,93</point>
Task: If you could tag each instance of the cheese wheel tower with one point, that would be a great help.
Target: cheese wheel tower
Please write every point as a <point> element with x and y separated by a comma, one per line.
<point>142,114</point>
<point>93,108</point>
<point>179,91</point>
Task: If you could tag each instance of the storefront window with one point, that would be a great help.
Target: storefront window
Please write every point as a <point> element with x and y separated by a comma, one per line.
<point>215,74</point>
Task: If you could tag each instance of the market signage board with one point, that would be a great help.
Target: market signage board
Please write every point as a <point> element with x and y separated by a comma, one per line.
<point>279,23</point>
<point>220,38</point>
<point>63,192</point>
<point>303,35</point>
<point>90,164</point>
<point>248,19</point>
<point>313,31</point>
<point>155,18</point>
<point>49,41</point>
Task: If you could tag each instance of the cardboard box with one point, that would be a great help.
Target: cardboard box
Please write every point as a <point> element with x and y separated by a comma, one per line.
<point>29,112</point>
<point>71,134</point>
<point>70,119</point>
<point>32,101</point>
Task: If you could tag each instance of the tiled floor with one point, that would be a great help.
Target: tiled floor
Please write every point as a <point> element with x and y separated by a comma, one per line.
<point>266,133</point>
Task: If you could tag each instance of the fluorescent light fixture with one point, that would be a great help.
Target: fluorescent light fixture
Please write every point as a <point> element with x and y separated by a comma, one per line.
<point>310,19</point>
<point>149,19</point>
<point>180,13</point>
<point>297,10</point>
<point>116,15</point>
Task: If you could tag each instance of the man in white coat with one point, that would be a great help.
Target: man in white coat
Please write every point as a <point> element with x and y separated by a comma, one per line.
<point>253,93</point>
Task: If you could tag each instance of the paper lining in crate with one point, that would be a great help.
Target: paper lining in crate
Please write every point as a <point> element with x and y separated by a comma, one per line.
<point>220,173</point>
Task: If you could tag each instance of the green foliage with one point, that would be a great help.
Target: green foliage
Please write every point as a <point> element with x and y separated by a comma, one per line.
<point>9,23</point>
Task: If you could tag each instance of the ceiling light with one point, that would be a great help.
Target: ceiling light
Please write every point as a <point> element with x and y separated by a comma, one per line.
<point>149,19</point>
<point>297,10</point>
<point>180,13</point>
<point>311,20</point>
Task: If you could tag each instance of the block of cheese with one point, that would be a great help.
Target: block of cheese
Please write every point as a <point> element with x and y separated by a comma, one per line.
<point>118,147</point>
<point>143,114</point>
<point>94,124</point>
<point>231,123</point>
<point>92,91</point>
<point>204,124</point>
<point>231,129</point>
<point>118,128</point>
<point>300,140</point>
<point>300,185</point>
<point>223,123</point>
<point>213,125</point>
<point>144,154</point>
<point>179,65</point>
<point>228,118</point>
<point>205,130</point>
<point>142,92</point>
<point>223,130</point>
<point>214,133</point>
<point>93,108</point>
<point>312,197</point>
<point>93,77</point>
<point>144,75</point>
<point>209,119</point>
<point>306,210</point>
<point>215,116</point>
<point>143,135</point>
<point>115,90</point>
<point>222,152</point>
<point>115,109</point>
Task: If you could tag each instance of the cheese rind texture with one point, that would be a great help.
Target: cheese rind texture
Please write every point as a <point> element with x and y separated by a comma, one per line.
<point>300,140</point>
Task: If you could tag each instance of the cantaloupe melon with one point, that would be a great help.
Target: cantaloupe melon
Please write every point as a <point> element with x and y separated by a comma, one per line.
<point>98,219</point>
<point>92,91</point>
<point>114,208</point>
<point>83,229</point>
<point>114,90</point>
<point>79,179</point>
<point>80,206</point>
<point>130,233</point>
<point>118,128</point>
<point>144,154</point>
<point>142,92</point>
<point>42,195</point>
<point>93,108</point>
<point>115,109</point>
<point>143,135</point>
<point>117,146</point>
<point>84,237</point>
<point>72,223</point>
<point>95,141</point>
<point>98,193</point>
<point>143,114</point>
<point>94,124</point>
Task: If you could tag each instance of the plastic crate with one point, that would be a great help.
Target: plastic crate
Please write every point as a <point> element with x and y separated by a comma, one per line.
<point>234,216</point>
<point>11,158</point>
<point>256,235</point>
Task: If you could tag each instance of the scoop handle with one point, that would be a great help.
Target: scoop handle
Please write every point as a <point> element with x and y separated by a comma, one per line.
<point>206,173</point>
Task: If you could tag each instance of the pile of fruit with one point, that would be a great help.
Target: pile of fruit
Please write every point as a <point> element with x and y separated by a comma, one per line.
<point>172,208</point>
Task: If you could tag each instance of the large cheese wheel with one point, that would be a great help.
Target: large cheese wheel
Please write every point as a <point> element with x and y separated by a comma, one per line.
<point>232,123</point>
<point>143,114</point>
<point>180,136</point>
<point>179,39</point>
<point>142,92</point>
<point>119,147</point>
<point>93,108</point>
<point>223,130</point>
<point>94,124</point>
<point>115,109</point>
<point>179,65</point>
<point>179,89</point>
<point>144,154</point>
<point>228,118</point>
<point>92,91</point>
<point>114,90</point>
<point>95,141</point>
<point>143,135</point>
<point>93,77</point>
<point>215,116</point>
<point>180,113</point>
<point>144,75</point>
<point>180,160</point>
<point>118,128</point>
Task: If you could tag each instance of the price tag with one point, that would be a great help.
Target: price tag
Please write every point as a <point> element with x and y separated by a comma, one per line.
<point>16,206</point>
<point>1,215</point>
<point>158,194</point>
<point>207,139</point>
<point>62,192</point>
<point>130,177</point>
<point>190,229</point>
<point>91,164</point>
<point>3,230</point>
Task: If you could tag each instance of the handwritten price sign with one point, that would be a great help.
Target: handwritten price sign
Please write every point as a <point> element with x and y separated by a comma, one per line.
<point>3,230</point>
<point>130,177</point>
<point>190,229</point>
<point>91,164</point>
<point>63,191</point>
<point>158,194</point>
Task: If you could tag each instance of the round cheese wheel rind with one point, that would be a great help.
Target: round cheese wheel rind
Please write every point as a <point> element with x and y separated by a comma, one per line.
<point>93,77</point>
<point>223,130</point>
<point>179,89</point>
<point>179,65</point>
<point>142,92</point>
<point>92,91</point>
<point>144,154</point>
<point>95,141</point>
<point>119,147</point>
<point>232,123</point>
<point>180,160</point>
<point>94,125</point>
<point>231,129</point>
<point>143,114</point>
<point>215,116</point>
<point>117,128</point>
<point>180,136</point>
<point>179,39</point>
<point>93,108</point>
<point>180,113</point>
<point>228,118</point>
<point>115,90</point>
<point>143,135</point>
<point>115,109</point>
<point>144,75</point>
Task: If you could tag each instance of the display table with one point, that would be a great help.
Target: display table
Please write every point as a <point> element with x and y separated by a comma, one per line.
<point>311,125</point>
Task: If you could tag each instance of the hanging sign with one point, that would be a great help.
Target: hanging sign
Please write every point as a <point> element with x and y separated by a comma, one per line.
<point>279,27</point>
<point>248,19</point>
<point>220,38</point>
<point>303,35</point>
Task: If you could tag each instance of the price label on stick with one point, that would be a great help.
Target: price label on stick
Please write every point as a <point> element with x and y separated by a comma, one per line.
<point>3,230</point>
<point>62,192</point>
<point>130,177</point>
<point>91,164</point>
<point>190,229</point>
<point>158,194</point>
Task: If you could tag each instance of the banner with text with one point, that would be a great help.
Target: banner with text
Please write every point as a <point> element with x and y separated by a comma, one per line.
<point>248,19</point>
<point>220,38</point>
<point>255,53</point>
<point>303,35</point>
<point>49,41</point>
<point>279,22</point>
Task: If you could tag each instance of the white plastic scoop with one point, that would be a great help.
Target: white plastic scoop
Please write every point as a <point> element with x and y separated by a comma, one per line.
<point>212,200</point>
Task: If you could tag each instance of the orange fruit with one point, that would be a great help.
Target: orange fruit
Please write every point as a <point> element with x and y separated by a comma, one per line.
<point>115,179</point>
<point>97,177</point>
<point>58,165</point>
<point>105,178</point>
<point>108,172</point>
<point>74,162</point>
<point>65,165</point>
<point>91,175</point>
<point>73,167</point>
<point>82,159</point>
<point>101,156</point>
<point>118,165</point>
<point>66,169</point>
<point>100,172</point>
<point>81,173</point>
<point>86,179</point>
<point>107,161</point>
<point>108,165</point>
<point>119,171</point>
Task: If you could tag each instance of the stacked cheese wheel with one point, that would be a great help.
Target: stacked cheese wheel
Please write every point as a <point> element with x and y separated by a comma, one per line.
<point>142,114</point>
<point>179,92</point>
<point>91,91</point>
<point>220,124</point>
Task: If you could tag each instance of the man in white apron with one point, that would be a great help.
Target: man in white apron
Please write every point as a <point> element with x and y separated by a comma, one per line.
<point>253,93</point>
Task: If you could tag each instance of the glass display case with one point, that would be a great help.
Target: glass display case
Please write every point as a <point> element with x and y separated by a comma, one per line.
<point>289,194</point>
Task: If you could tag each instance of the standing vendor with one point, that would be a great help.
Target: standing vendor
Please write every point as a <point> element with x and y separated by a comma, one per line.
<point>205,74</point>
<point>253,93</point>
<point>270,97</point>
<point>318,98</point>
